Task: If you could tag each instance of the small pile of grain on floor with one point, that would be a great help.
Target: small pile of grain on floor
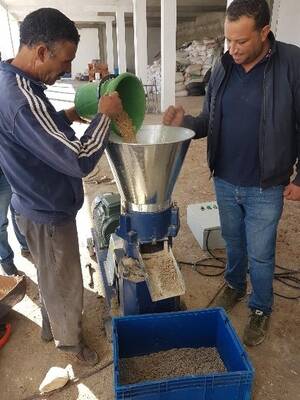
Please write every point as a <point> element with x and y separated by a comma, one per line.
<point>170,364</point>
<point>125,127</point>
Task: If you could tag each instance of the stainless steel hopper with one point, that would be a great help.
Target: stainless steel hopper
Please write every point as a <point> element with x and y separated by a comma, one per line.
<point>146,171</point>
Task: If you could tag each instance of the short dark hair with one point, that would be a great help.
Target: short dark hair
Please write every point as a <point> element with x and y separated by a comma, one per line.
<point>47,25</point>
<point>256,9</point>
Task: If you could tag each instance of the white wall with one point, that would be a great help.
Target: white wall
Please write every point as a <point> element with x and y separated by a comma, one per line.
<point>88,50</point>
<point>129,48</point>
<point>287,24</point>
<point>15,34</point>
<point>9,36</point>
<point>153,36</point>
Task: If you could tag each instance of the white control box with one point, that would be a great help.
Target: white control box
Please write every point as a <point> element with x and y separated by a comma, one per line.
<point>204,221</point>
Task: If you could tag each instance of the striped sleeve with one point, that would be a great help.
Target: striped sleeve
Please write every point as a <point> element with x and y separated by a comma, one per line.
<point>46,134</point>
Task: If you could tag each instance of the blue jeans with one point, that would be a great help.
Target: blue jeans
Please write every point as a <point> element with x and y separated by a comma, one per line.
<point>6,252</point>
<point>249,218</point>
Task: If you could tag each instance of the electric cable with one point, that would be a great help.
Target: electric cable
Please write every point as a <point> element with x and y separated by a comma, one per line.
<point>285,278</point>
<point>76,380</point>
<point>206,262</point>
<point>288,277</point>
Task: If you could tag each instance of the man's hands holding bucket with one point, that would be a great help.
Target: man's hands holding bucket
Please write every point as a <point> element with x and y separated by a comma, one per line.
<point>110,104</point>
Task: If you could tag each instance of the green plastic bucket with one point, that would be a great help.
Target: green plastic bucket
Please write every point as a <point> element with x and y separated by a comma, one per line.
<point>86,100</point>
<point>131,92</point>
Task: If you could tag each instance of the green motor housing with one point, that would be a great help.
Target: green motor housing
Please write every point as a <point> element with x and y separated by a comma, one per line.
<point>106,215</point>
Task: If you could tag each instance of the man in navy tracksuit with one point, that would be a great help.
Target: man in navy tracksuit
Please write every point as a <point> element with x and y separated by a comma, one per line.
<point>44,163</point>
<point>251,117</point>
<point>7,265</point>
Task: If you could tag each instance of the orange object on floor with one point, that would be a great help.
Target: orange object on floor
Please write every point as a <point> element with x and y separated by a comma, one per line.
<point>6,328</point>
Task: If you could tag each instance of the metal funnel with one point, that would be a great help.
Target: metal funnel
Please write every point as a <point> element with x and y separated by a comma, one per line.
<point>146,170</point>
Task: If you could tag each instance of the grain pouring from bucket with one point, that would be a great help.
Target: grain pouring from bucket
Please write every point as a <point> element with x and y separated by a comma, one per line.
<point>124,125</point>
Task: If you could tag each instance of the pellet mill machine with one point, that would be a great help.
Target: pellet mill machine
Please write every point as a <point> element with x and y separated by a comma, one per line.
<point>134,228</point>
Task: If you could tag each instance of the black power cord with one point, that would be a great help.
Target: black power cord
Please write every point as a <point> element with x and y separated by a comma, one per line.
<point>288,277</point>
<point>206,262</point>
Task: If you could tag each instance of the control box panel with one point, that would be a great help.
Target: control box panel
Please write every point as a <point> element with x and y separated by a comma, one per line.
<point>204,222</point>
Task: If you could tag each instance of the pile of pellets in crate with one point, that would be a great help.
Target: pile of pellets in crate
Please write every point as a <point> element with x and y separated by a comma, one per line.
<point>173,363</point>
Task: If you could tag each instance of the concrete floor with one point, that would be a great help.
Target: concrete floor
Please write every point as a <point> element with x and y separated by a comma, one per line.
<point>25,360</point>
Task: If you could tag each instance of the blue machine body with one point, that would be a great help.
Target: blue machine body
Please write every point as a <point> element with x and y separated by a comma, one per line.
<point>135,230</point>
<point>135,299</point>
<point>140,228</point>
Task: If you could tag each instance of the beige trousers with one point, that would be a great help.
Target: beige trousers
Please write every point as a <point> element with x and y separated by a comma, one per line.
<point>55,252</point>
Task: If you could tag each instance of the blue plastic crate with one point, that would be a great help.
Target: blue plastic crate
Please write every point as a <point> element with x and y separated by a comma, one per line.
<point>145,334</point>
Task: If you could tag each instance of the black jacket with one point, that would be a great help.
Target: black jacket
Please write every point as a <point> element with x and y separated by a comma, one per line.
<point>279,135</point>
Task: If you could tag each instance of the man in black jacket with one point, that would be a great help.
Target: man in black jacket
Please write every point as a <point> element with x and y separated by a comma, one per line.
<point>251,118</point>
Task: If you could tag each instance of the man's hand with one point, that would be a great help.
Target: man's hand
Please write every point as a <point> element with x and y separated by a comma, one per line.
<point>292,192</point>
<point>173,116</point>
<point>72,115</point>
<point>110,105</point>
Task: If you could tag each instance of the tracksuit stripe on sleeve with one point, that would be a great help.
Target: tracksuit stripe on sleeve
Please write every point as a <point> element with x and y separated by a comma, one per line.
<point>39,110</point>
<point>99,140</point>
<point>40,118</point>
<point>43,109</point>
